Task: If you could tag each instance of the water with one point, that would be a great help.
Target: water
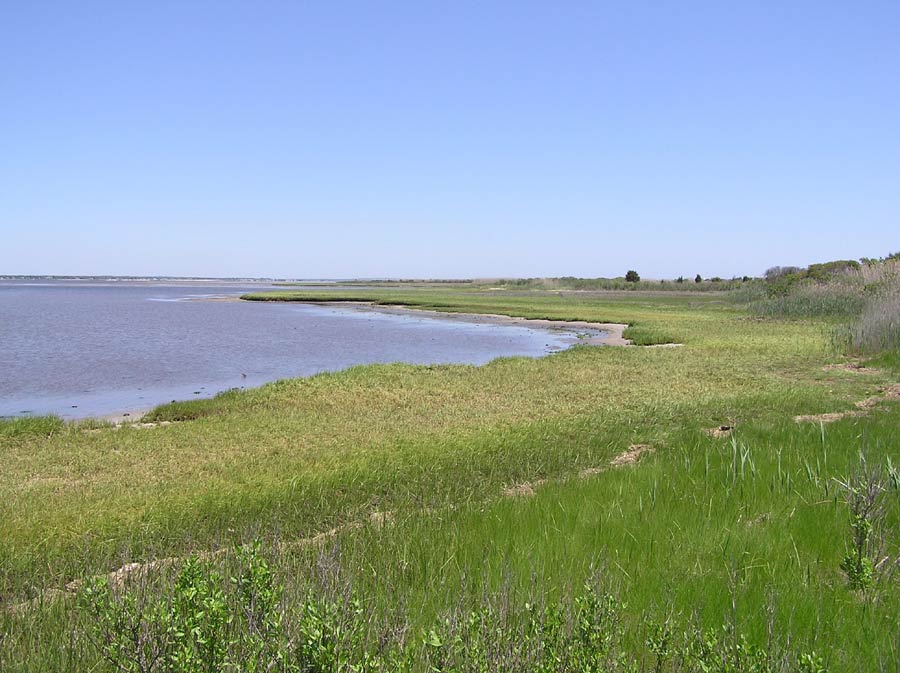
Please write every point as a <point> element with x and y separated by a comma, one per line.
<point>81,349</point>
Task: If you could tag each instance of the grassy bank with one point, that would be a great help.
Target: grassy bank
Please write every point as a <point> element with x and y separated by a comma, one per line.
<point>743,534</point>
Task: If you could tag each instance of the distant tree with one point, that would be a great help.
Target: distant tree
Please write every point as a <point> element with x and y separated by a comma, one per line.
<point>698,278</point>
<point>632,276</point>
<point>746,279</point>
<point>680,279</point>
<point>715,279</point>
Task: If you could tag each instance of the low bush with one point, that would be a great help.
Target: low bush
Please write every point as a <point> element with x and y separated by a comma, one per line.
<point>203,623</point>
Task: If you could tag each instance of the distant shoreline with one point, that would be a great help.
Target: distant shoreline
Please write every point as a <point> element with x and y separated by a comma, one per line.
<point>612,332</point>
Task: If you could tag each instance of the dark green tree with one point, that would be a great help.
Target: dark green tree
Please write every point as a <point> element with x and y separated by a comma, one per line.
<point>632,276</point>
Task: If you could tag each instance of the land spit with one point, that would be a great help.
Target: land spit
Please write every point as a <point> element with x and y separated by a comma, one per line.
<point>611,333</point>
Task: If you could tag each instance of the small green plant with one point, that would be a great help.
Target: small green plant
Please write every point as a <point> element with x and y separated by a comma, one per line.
<point>659,642</point>
<point>597,632</point>
<point>810,662</point>
<point>864,498</point>
<point>261,640</point>
<point>198,620</point>
<point>130,635</point>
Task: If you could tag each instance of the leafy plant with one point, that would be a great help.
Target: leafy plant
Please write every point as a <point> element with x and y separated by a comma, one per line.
<point>864,493</point>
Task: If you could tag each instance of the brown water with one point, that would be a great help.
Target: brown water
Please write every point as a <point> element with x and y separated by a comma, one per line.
<point>80,349</point>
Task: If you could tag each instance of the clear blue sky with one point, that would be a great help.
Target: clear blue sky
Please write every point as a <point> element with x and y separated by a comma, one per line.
<point>341,139</point>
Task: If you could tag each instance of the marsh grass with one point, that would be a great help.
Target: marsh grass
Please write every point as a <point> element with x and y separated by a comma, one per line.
<point>726,552</point>
<point>741,537</point>
<point>40,426</point>
<point>877,328</point>
<point>835,300</point>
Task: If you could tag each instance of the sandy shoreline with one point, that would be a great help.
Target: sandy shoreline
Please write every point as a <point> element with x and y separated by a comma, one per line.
<point>612,332</point>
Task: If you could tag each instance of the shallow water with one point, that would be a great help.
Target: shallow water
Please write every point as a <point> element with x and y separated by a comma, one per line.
<point>81,349</point>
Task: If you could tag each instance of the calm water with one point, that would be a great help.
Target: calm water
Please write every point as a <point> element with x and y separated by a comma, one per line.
<point>82,349</point>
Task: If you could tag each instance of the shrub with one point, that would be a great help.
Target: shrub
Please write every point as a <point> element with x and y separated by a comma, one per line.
<point>865,496</point>
<point>632,276</point>
<point>822,272</point>
<point>196,627</point>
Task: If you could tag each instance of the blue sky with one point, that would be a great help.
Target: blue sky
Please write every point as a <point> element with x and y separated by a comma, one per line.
<point>342,139</point>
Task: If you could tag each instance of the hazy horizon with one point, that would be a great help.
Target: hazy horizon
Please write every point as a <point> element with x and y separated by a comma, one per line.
<point>417,141</point>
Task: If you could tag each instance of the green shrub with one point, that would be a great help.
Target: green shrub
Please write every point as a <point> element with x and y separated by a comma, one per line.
<point>197,626</point>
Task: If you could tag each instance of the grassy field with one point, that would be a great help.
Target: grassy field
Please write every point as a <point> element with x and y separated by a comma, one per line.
<point>439,492</point>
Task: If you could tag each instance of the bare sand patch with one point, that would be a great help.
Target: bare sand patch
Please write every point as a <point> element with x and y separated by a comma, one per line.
<point>632,455</point>
<point>854,367</point>
<point>524,490</point>
<point>892,392</point>
<point>867,403</point>
<point>829,417</point>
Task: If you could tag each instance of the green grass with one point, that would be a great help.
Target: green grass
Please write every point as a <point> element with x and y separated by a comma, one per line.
<point>43,426</point>
<point>703,529</point>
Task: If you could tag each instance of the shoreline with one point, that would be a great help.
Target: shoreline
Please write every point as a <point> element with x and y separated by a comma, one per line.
<point>611,334</point>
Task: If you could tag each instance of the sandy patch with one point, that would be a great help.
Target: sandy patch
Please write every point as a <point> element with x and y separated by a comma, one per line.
<point>720,432</point>
<point>892,392</point>
<point>145,426</point>
<point>137,425</point>
<point>829,417</point>
<point>524,490</point>
<point>854,367</point>
<point>632,455</point>
<point>867,403</point>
